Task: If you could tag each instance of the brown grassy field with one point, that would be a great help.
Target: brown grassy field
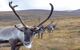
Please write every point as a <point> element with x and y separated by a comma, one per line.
<point>65,37</point>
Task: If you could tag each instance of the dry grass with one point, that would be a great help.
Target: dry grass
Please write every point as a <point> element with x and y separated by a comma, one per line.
<point>65,37</point>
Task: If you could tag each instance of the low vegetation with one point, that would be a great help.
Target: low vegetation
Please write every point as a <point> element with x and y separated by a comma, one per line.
<point>65,37</point>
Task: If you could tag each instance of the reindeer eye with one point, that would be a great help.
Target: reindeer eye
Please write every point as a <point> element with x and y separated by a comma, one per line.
<point>25,28</point>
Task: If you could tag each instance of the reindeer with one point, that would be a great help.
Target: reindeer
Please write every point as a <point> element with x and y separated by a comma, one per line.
<point>23,34</point>
<point>51,27</point>
<point>41,31</point>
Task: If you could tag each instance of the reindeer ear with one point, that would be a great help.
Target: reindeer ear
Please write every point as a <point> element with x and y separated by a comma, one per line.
<point>21,29</point>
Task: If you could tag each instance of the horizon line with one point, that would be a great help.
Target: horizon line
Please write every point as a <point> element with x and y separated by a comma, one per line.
<point>37,9</point>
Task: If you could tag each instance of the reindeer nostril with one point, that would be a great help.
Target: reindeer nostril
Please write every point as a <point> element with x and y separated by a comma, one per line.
<point>27,43</point>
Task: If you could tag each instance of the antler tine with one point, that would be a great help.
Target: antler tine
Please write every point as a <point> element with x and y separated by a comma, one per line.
<point>15,6</point>
<point>52,8</point>
<point>12,7</point>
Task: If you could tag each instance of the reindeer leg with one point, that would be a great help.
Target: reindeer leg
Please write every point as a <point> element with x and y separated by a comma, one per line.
<point>49,31</point>
<point>17,47</point>
<point>38,35</point>
<point>41,35</point>
<point>13,44</point>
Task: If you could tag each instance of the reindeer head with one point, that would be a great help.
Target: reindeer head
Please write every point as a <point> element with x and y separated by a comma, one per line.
<point>28,32</point>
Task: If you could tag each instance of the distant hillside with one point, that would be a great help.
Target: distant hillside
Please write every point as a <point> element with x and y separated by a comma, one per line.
<point>27,14</point>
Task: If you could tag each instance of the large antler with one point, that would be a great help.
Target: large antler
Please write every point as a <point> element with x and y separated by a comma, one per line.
<point>48,16</point>
<point>12,7</point>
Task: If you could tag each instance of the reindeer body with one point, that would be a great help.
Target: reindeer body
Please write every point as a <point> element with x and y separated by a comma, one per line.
<point>9,33</point>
